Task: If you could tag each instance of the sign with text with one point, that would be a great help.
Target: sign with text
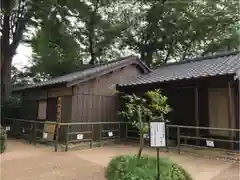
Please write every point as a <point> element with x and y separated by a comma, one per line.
<point>59,109</point>
<point>157,134</point>
<point>80,136</point>
<point>8,128</point>
<point>210,143</point>
<point>110,134</point>
<point>45,135</point>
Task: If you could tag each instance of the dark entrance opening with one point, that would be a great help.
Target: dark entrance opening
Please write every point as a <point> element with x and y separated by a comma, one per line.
<point>52,109</point>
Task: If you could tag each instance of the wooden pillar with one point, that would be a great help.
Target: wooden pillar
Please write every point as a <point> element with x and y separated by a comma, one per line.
<point>59,109</point>
<point>196,109</point>
<point>231,111</point>
<point>238,112</point>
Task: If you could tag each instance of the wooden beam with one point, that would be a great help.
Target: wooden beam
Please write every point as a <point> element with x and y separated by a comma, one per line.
<point>231,111</point>
<point>196,109</point>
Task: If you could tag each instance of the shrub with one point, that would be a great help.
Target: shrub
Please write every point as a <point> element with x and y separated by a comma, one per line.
<point>140,110</point>
<point>3,139</point>
<point>144,168</point>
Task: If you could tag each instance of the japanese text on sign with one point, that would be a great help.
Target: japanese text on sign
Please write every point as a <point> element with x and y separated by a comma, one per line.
<point>157,134</point>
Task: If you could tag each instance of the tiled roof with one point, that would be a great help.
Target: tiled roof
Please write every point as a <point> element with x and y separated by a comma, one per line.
<point>90,72</point>
<point>220,64</point>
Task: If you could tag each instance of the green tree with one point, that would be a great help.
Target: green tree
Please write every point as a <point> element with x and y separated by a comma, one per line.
<point>55,50</point>
<point>17,17</point>
<point>176,29</point>
<point>20,78</point>
<point>142,110</point>
<point>98,31</point>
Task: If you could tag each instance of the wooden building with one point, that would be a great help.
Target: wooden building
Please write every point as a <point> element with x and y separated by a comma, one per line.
<point>202,92</point>
<point>83,96</point>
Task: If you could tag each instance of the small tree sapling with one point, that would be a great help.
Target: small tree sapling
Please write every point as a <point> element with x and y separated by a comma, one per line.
<point>140,110</point>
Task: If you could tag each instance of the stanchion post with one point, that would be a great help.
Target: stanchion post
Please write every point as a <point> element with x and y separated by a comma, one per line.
<point>178,139</point>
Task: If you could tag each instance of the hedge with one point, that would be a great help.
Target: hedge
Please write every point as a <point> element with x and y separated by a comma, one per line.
<point>145,168</point>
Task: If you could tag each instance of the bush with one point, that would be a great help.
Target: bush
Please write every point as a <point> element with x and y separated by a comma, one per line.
<point>145,168</point>
<point>3,139</point>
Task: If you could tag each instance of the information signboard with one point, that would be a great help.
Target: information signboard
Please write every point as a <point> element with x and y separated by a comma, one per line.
<point>157,134</point>
<point>157,139</point>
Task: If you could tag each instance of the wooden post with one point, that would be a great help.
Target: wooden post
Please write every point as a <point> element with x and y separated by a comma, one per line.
<point>196,114</point>
<point>119,132</point>
<point>167,138</point>
<point>231,112</point>
<point>59,109</point>
<point>100,134</point>
<point>238,111</point>
<point>92,128</point>
<point>178,139</point>
<point>126,132</point>
<point>34,133</point>
<point>67,138</point>
<point>56,138</point>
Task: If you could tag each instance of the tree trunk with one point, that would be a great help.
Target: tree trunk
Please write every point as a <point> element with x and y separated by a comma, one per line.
<point>141,144</point>
<point>6,59</point>
<point>6,78</point>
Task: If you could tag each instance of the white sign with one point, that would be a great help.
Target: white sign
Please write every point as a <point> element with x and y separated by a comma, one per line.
<point>80,136</point>
<point>45,135</point>
<point>8,128</point>
<point>209,143</point>
<point>23,130</point>
<point>146,136</point>
<point>110,134</point>
<point>157,134</point>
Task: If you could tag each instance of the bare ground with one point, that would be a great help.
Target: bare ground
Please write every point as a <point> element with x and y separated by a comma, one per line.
<point>27,162</point>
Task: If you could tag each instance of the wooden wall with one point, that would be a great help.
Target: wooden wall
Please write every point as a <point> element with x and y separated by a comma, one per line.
<point>98,96</point>
<point>96,100</point>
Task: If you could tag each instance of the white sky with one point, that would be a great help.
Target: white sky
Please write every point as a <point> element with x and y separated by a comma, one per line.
<point>22,56</point>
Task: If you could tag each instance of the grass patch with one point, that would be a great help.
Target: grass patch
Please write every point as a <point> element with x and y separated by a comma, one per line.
<point>145,168</point>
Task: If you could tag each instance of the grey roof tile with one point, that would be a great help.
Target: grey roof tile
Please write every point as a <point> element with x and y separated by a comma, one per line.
<point>85,73</point>
<point>221,64</point>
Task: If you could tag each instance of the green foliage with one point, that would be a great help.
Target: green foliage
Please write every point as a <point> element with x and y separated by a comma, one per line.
<point>55,51</point>
<point>20,77</point>
<point>3,139</point>
<point>98,31</point>
<point>145,168</point>
<point>141,110</point>
<point>166,30</point>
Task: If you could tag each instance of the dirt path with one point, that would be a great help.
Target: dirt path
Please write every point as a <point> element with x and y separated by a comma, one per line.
<point>231,173</point>
<point>27,162</point>
<point>200,168</point>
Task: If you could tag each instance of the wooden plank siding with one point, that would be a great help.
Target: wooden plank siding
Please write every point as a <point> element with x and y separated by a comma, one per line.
<point>90,101</point>
<point>181,99</point>
<point>98,94</point>
<point>95,100</point>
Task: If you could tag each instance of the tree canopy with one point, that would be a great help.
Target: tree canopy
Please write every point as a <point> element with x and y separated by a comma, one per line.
<point>70,33</point>
<point>55,50</point>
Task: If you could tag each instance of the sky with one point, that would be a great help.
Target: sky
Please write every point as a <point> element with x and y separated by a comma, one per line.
<point>22,56</point>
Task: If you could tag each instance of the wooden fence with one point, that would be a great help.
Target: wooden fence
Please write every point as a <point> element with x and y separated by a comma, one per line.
<point>32,131</point>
